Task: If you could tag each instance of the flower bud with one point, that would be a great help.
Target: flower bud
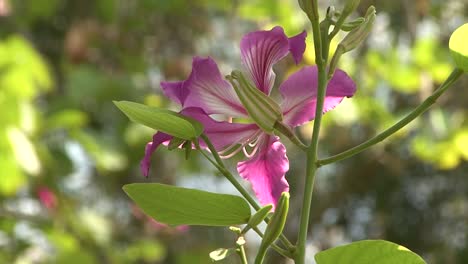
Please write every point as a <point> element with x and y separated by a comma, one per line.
<point>262,109</point>
<point>348,26</point>
<point>275,226</point>
<point>258,217</point>
<point>352,40</point>
<point>357,35</point>
<point>308,7</point>
<point>350,6</point>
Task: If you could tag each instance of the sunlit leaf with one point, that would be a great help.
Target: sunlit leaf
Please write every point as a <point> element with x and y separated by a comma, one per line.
<point>12,178</point>
<point>369,252</point>
<point>459,47</point>
<point>24,151</point>
<point>162,120</point>
<point>181,206</point>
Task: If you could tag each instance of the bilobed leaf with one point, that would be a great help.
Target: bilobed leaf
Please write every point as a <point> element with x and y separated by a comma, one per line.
<point>163,120</point>
<point>181,206</point>
<point>458,45</point>
<point>369,252</point>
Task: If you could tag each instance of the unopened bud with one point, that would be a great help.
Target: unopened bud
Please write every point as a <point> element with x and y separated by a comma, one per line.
<point>348,26</point>
<point>235,229</point>
<point>264,111</point>
<point>308,6</point>
<point>349,7</point>
<point>353,39</point>
<point>275,226</point>
<point>258,217</point>
<point>357,35</point>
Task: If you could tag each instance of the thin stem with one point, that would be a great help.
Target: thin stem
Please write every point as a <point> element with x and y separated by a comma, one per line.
<point>219,164</point>
<point>457,73</point>
<point>242,254</point>
<point>278,249</point>
<point>287,132</point>
<point>314,20</point>
<point>311,168</point>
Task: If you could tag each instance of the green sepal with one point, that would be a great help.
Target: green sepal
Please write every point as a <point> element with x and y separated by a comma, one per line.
<point>458,45</point>
<point>163,120</point>
<point>264,111</point>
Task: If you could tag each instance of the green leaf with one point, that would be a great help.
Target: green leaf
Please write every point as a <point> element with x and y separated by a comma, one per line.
<point>369,252</point>
<point>181,206</point>
<point>459,48</point>
<point>166,121</point>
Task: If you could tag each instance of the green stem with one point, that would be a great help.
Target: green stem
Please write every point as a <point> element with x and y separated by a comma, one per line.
<point>289,133</point>
<point>457,73</point>
<point>311,168</point>
<point>278,249</point>
<point>219,164</point>
<point>314,20</point>
<point>242,254</point>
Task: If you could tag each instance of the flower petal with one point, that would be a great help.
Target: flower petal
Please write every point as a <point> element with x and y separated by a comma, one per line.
<point>266,170</point>
<point>299,93</point>
<point>297,46</point>
<point>175,91</point>
<point>158,139</point>
<point>222,134</point>
<point>208,90</point>
<point>260,50</point>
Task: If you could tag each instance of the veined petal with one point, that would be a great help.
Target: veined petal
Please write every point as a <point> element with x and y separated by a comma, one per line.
<point>297,46</point>
<point>175,91</point>
<point>222,134</point>
<point>260,50</point>
<point>266,170</point>
<point>208,90</point>
<point>158,139</point>
<point>299,93</point>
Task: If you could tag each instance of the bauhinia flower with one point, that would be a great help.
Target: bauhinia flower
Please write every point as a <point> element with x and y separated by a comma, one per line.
<point>205,92</point>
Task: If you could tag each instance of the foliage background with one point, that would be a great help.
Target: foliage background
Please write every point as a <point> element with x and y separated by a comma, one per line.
<point>66,151</point>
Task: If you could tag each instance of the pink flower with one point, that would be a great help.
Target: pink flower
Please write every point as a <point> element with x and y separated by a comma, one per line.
<point>206,92</point>
<point>47,198</point>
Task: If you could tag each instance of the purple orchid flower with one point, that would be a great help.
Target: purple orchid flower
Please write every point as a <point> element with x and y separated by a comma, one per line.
<point>206,92</point>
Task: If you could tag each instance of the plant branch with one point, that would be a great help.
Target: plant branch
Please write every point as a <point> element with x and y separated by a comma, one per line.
<point>457,73</point>
<point>278,249</point>
<point>313,148</point>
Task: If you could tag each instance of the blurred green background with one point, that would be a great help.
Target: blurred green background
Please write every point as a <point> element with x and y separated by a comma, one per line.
<point>66,151</point>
